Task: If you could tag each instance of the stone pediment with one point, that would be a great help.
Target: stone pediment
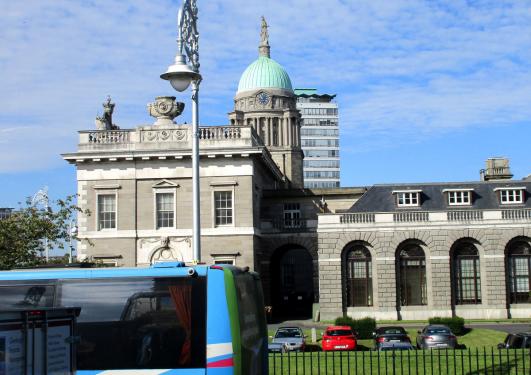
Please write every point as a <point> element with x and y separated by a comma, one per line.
<point>165,184</point>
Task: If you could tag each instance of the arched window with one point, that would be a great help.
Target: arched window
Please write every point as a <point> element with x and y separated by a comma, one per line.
<point>466,274</point>
<point>519,272</point>
<point>359,277</point>
<point>412,276</point>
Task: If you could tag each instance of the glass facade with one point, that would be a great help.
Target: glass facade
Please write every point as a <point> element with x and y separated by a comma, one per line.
<point>319,138</point>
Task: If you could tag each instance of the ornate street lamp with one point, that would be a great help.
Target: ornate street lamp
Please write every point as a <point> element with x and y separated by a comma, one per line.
<point>181,74</point>
<point>41,197</point>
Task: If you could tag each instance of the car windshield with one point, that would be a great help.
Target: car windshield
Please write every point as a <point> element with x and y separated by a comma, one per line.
<point>435,331</point>
<point>288,333</point>
<point>339,332</point>
<point>391,331</point>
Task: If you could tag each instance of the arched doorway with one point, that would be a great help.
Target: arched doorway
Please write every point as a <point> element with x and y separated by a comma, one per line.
<point>292,292</point>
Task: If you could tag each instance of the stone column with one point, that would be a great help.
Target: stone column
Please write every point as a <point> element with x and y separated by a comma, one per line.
<point>268,131</point>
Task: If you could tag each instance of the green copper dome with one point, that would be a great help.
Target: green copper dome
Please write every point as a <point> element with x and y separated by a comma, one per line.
<point>264,73</point>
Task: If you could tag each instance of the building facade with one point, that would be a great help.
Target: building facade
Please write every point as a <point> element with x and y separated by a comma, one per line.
<point>420,250</point>
<point>319,138</point>
<point>5,212</point>
<point>390,251</point>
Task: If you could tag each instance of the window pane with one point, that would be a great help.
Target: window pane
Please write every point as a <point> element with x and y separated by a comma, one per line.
<point>165,210</point>
<point>107,211</point>
<point>467,279</point>
<point>412,268</point>
<point>223,207</point>
<point>359,277</point>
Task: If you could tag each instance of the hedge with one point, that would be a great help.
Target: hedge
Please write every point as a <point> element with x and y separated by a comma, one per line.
<point>363,327</point>
<point>456,324</point>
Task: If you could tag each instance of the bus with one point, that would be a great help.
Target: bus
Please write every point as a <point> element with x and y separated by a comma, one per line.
<point>165,319</point>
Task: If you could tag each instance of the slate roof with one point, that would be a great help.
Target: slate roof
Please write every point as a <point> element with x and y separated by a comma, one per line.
<point>380,198</point>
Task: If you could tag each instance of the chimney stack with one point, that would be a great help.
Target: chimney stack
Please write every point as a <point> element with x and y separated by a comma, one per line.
<point>497,169</point>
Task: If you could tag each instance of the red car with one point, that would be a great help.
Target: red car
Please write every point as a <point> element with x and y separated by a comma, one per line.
<point>339,338</point>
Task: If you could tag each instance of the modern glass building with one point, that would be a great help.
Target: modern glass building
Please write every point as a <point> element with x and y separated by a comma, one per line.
<point>319,138</point>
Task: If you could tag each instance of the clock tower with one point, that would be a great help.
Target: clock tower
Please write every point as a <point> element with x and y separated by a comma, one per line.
<point>265,100</point>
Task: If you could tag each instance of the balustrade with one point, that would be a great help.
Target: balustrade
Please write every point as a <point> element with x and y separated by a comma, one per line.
<point>472,215</point>
<point>357,218</point>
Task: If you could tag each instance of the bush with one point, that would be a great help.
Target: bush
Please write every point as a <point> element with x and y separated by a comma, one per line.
<point>364,327</point>
<point>456,324</point>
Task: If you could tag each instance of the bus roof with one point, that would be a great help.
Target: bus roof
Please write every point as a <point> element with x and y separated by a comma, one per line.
<point>91,273</point>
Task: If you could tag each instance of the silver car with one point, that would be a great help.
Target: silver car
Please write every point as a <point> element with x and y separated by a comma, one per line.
<point>436,337</point>
<point>292,337</point>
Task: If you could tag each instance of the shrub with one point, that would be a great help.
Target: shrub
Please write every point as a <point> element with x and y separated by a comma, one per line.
<point>364,327</point>
<point>456,324</point>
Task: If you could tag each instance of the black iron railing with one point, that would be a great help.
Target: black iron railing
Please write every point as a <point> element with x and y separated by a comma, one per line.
<point>404,362</point>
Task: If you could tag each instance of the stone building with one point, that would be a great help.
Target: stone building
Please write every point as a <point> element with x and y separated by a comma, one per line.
<point>419,250</point>
<point>309,245</point>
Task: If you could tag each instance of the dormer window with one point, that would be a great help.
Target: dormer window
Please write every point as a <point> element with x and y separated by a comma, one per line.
<point>513,195</point>
<point>407,198</point>
<point>459,197</point>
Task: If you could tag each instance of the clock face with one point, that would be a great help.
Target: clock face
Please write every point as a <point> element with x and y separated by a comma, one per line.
<point>263,98</point>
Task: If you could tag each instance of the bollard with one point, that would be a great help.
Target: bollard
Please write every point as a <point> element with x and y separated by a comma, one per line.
<point>314,335</point>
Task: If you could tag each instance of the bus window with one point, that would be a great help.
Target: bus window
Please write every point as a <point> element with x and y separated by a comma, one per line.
<point>154,323</point>
<point>252,323</point>
<point>26,296</point>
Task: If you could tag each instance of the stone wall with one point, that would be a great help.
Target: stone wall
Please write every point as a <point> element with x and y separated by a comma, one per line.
<point>437,244</point>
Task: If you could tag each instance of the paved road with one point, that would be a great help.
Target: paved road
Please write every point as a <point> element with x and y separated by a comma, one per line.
<point>503,327</point>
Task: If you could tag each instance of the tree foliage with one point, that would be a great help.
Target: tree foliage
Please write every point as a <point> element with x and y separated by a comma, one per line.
<point>23,234</point>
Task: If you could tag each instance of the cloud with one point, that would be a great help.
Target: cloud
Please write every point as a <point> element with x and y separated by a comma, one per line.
<point>402,69</point>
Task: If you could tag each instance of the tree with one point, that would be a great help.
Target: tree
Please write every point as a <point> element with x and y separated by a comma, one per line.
<point>23,234</point>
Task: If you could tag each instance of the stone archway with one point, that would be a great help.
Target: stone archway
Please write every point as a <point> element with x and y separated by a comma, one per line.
<point>292,290</point>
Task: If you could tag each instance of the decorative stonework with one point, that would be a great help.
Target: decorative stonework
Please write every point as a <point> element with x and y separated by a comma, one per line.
<point>164,135</point>
<point>165,109</point>
<point>164,248</point>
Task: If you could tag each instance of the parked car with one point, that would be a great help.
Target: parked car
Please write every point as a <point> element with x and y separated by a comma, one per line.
<point>339,338</point>
<point>276,347</point>
<point>292,337</point>
<point>436,336</point>
<point>404,345</point>
<point>390,335</point>
<point>516,341</point>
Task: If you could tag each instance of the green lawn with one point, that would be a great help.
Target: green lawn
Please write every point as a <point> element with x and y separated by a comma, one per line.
<point>424,362</point>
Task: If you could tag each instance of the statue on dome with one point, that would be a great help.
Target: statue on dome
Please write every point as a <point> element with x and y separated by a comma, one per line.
<point>264,34</point>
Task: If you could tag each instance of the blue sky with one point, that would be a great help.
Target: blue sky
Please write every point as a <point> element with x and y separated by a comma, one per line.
<point>427,90</point>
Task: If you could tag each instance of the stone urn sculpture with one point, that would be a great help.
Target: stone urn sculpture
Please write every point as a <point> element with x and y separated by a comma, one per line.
<point>165,109</point>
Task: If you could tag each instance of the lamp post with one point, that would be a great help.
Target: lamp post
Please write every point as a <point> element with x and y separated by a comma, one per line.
<point>181,74</point>
<point>41,197</point>
<point>72,231</point>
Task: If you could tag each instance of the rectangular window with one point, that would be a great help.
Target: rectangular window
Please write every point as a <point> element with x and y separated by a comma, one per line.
<point>106,211</point>
<point>407,199</point>
<point>223,207</point>
<point>165,210</point>
<point>459,198</point>
<point>292,215</point>
<point>227,260</point>
<point>510,196</point>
